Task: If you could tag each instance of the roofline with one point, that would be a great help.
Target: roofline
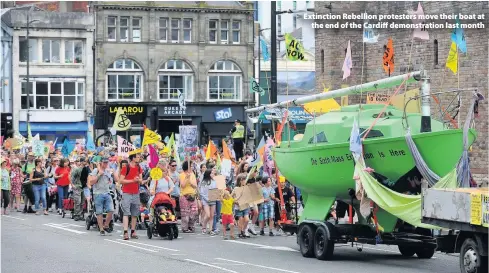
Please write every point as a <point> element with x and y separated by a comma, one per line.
<point>184,9</point>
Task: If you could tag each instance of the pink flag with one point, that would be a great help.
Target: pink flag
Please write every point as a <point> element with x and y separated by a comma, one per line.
<point>268,163</point>
<point>347,64</point>
<point>421,33</point>
<point>153,157</point>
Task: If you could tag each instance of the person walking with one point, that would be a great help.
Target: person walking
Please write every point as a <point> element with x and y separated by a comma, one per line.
<point>131,177</point>
<point>237,134</point>
<point>39,186</point>
<point>188,202</point>
<point>27,168</point>
<point>62,174</point>
<point>77,187</point>
<point>5,175</point>
<point>17,176</point>
<point>101,180</point>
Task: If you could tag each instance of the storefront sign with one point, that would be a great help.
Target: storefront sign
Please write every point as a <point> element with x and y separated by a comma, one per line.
<point>223,114</point>
<point>173,110</point>
<point>135,113</point>
<point>296,114</point>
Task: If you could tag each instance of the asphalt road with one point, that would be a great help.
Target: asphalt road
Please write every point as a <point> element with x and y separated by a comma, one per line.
<point>35,244</point>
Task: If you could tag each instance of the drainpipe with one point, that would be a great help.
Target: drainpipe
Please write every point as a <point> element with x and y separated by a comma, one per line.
<point>425,103</point>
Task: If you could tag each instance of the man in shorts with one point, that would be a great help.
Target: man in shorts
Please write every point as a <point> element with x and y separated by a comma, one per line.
<point>101,180</point>
<point>130,178</point>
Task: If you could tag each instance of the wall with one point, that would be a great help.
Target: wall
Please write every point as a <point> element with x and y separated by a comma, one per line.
<point>6,71</point>
<point>473,66</point>
<point>60,6</point>
<point>150,54</point>
<point>50,70</point>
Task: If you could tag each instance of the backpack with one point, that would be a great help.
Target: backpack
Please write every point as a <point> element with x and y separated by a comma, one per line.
<point>128,169</point>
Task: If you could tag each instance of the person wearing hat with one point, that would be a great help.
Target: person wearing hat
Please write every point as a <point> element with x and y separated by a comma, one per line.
<point>237,134</point>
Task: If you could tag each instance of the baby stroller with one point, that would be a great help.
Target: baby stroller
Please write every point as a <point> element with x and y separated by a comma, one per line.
<point>164,222</point>
<point>91,220</point>
<point>69,205</point>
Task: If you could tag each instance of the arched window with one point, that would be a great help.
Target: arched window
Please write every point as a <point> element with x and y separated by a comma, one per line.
<point>224,81</point>
<point>435,52</point>
<point>173,76</point>
<point>124,80</point>
<point>322,60</point>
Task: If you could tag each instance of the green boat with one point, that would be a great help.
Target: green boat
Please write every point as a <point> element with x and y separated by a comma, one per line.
<point>321,165</point>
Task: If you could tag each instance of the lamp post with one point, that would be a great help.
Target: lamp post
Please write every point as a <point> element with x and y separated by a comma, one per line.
<point>28,88</point>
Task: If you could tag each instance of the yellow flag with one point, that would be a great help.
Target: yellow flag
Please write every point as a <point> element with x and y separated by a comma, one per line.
<point>121,121</point>
<point>150,137</point>
<point>295,50</point>
<point>452,60</point>
<point>322,106</point>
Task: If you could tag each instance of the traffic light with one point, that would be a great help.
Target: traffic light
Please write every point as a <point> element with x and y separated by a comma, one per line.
<point>154,119</point>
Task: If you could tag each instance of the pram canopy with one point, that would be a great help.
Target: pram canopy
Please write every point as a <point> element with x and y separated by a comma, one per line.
<point>161,198</point>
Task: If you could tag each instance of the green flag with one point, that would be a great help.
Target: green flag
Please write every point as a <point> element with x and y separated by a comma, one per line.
<point>295,50</point>
<point>255,87</point>
<point>29,133</point>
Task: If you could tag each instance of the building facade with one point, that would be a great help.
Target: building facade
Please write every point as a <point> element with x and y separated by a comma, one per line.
<point>61,73</point>
<point>6,76</point>
<point>149,51</point>
<point>430,55</point>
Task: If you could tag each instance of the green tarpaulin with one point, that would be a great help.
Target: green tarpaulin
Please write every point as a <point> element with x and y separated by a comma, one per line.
<point>405,207</point>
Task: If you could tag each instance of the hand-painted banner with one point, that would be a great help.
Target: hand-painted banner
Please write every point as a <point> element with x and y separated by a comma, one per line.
<point>295,50</point>
<point>121,121</point>
<point>124,147</point>
<point>388,58</point>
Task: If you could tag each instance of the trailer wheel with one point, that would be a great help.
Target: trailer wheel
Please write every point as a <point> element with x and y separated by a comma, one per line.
<point>306,241</point>
<point>406,251</point>
<point>323,247</point>
<point>470,259</point>
<point>425,253</point>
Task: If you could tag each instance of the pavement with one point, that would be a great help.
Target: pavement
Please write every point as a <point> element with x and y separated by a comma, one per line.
<point>31,243</point>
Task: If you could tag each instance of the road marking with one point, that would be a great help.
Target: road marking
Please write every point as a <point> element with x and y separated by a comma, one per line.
<point>178,254</point>
<point>283,248</point>
<point>13,217</point>
<point>211,265</point>
<point>256,265</point>
<point>64,228</point>
<point>68,225</point>
<point>113,241</point>
<point>227,264</point>
<point>170,249</point>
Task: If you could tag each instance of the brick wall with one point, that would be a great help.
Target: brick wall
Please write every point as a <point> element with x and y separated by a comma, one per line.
<point>473,66</point>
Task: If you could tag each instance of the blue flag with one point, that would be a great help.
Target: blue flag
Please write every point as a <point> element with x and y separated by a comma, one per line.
<point>264,50</point>
<point>355,143</point>
<point>67,148</point>
<point>458,37</point>
<point>90,143</point>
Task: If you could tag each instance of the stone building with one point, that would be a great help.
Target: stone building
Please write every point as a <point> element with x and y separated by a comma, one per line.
<point>429,54</point>
<point>61,73</point>
<point>148,51</point>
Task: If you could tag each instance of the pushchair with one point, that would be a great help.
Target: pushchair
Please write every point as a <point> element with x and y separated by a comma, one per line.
<point>69,205</point>
<point>91,220</point>
<point>164,223</point>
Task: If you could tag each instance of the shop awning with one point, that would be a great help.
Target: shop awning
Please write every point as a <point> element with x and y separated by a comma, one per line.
<point>54,126</point>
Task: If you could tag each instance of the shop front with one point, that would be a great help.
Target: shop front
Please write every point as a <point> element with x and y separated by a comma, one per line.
<point>213,121</point>
<point>136,113</point>
<point>50,131</point>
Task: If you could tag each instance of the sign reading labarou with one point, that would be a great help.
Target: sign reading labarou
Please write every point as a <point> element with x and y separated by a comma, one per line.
<point>223,114</point>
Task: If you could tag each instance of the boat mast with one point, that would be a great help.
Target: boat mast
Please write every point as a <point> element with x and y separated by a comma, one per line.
<point>374,86</point>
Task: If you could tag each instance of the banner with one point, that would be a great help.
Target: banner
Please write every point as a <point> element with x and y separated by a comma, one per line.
<point>153,157</point>
<point>255,87</point>
<point>90,143</point>
<point>347,63</point>
<point>67,148</point>
<point>38,147</point>
<point>295,50</point>
<point>452,60</point>
<point>124,147</point>
<point>150,137</point>
<point>388,58</point>
<point>181,100</point>
<point>377,98</point>
<point>421,32</point>
<point>188,139</point>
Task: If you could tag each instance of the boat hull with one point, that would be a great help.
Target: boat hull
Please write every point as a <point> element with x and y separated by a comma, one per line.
<point>326,170</point>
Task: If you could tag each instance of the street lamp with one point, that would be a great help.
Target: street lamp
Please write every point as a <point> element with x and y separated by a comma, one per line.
<point>28,88</point>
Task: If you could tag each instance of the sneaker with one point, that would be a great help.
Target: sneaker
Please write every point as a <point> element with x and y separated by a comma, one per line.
<point>247,234</point>
<point>270,234</point>
<point>262,232</point>
<point>212,233</point>
<point>204,231</point>
<point>250,230</point>
<point>102,233</point>
<point>107,230</point>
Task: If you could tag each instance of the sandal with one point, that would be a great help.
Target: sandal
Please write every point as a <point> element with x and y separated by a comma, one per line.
<point>126,236</point>
<point>134,236</point>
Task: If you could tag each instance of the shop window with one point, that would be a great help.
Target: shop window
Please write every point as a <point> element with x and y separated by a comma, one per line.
<point>124,80</point>
<point>74,51</point>
<point>224,81</point>
<point>54,95</point>
<point>174,76</point>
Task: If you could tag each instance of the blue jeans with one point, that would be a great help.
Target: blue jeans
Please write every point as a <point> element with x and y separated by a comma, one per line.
<point>39,193</point>
<point>62,194</point>
<point>217,215</point>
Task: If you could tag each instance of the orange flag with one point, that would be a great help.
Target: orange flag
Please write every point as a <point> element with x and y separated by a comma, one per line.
<point>280,128</point>
<point>225,151</point>
<point>388,58</point>
<point>211,150</point>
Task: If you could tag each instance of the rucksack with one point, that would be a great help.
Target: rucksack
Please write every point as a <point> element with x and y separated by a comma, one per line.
<point>128,168</point>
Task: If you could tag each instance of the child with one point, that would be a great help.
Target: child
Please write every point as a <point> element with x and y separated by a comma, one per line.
<point>267,208</point>
<point>166,215</point>
<point>144,212</point>
<point>243,215</point>
<point>227,203</point>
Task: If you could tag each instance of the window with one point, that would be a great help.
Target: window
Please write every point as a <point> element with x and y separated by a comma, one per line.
<point>124,29</point>
<point>23,47</point>
<point>236,31</point>
<point>279,24</point>
<point>175,30</point>
<point>73,51</point>
<point>111,28</point>
<point>50,51</point>
<point>320,138</point>
<point>174,76</point>
<point>294,5</point>
<point>224,81</point>
<point>163,29</point>
<point>435,52</point>
<point>213,31</point>
<point>224,31</point>
<point>294,22</point>
<point>322,60</point>
<point>279,5</point>
<point>187,30</point>
<point>50,95</point>
<point>124,80</point>
<point>136,30</point>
